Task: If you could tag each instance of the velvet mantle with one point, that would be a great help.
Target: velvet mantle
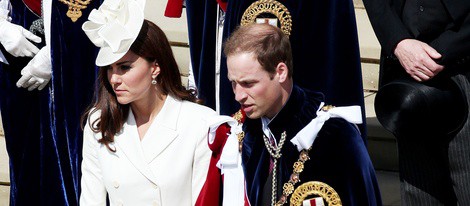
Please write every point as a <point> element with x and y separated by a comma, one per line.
<point>42,128</point>
<point>338,156</point>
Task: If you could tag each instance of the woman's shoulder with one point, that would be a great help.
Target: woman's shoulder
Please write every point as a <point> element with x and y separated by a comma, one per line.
<point>197,109</point>
<point>93,114</point>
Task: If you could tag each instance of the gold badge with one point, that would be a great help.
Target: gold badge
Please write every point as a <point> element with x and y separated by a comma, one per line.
<point>75,8</point>
<point>263,11</point>
<point>315,188</point>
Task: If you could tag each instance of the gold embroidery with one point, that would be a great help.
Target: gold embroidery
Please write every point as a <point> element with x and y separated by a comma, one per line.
<point>315,188</point>
<point>240,136</point>
<point>272,7</point>
<point>238,116</point>
<point>298,167</point>
<point>327,107</point>
<point>288,187</point>
<point>75,8</point>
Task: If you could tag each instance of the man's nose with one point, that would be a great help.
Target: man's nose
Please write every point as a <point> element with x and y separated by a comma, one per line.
<point>240,94</point>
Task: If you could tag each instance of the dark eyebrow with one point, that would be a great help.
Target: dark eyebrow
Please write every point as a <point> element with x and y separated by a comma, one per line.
<point>120,63</point>
<point>106,67</point>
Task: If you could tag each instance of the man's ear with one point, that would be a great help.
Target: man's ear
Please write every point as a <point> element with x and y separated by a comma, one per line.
<point>155,69</point>
<point>282,71</point>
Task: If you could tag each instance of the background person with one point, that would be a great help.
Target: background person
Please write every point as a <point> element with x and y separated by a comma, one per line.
<point>42,128</point>
<point>424,95</point>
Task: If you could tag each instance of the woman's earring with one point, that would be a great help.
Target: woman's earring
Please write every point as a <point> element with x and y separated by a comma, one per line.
<point>154,81</point>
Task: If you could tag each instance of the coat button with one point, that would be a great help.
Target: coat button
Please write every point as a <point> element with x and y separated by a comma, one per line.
<point>155,186</point>
<point>116,184</point>
<point>421,8</point>
<point>155,203</point>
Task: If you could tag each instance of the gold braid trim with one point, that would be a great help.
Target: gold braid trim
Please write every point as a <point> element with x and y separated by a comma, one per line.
<point>315,188</point>
<point>268,6</point>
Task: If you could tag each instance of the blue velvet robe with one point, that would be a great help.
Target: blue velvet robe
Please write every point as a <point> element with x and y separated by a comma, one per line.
<point>42,128</point>
<point>338,156</point>
<point>324,45</point>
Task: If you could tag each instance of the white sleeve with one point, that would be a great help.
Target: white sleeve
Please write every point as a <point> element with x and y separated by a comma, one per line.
<point>4,9</point>
<point>201,162</point>
<point>93,188</point>
<point>47,10</point>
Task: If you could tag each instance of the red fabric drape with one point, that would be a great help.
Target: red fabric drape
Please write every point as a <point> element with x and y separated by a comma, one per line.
<point>211,191</point>
<point>175,7</point>
<point>34,6</point>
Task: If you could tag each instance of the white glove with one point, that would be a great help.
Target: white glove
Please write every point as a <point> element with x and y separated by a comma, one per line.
<point>15,39</point>
<point>38,71</point>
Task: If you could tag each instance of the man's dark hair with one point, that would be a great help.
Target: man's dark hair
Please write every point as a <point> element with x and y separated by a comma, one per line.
<point>268,43</point>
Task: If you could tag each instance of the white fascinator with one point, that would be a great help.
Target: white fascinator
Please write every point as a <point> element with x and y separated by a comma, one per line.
<point>113,27</point>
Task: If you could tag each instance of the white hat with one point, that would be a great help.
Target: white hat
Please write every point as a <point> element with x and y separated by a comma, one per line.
<point>114,27</point>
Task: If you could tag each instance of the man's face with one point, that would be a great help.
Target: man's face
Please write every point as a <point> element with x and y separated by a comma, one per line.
<point>258,92</point>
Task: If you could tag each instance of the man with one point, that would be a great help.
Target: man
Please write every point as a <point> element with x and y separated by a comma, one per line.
<point>42,127</point>
<point>260,69</point>
<point>327,26</point>
<point>425,64</point>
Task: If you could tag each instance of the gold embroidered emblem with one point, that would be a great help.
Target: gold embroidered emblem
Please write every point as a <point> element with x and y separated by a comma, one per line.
<point>75,8</point>
<point>268,7</point>
<point>238,116</point>
<point>298,167</point>
<point>240,136</point>
<point>288,188</point>
<point>318,189</point>
<point>327,107</point>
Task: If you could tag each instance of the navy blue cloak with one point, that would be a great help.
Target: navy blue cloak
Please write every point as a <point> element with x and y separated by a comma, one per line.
<point>338,156</point>
<point>42,128</point>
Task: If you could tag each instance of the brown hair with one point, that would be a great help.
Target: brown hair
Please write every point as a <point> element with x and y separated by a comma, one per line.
<point>152,45</point>
<point>268,43</point>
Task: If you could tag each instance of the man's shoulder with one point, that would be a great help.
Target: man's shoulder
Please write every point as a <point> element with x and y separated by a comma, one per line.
<point>340,130</point>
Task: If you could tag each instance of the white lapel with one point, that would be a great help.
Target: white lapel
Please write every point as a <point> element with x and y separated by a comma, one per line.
<point>162,132</point>
<point>129,143</point>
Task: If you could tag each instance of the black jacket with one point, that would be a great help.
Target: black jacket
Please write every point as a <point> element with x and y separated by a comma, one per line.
<point>453,43</point>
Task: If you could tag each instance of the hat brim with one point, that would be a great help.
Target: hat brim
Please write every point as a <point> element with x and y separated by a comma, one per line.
<point>406,107</point>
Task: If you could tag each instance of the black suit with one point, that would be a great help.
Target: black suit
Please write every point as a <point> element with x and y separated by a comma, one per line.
<point>434,159</point>
<point>453,43</point>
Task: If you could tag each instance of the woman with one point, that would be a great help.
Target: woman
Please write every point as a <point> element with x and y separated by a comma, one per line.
<point>144,140</point>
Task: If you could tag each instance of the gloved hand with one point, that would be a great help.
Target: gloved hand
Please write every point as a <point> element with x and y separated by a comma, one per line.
<point>15,39</point>
<point>38,71</point>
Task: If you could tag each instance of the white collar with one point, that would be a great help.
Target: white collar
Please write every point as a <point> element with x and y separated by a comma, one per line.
<point>265,126</point>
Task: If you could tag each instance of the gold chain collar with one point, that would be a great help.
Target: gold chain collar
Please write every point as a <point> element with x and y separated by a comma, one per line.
<point>288,187</point>
<point>298,167</point>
